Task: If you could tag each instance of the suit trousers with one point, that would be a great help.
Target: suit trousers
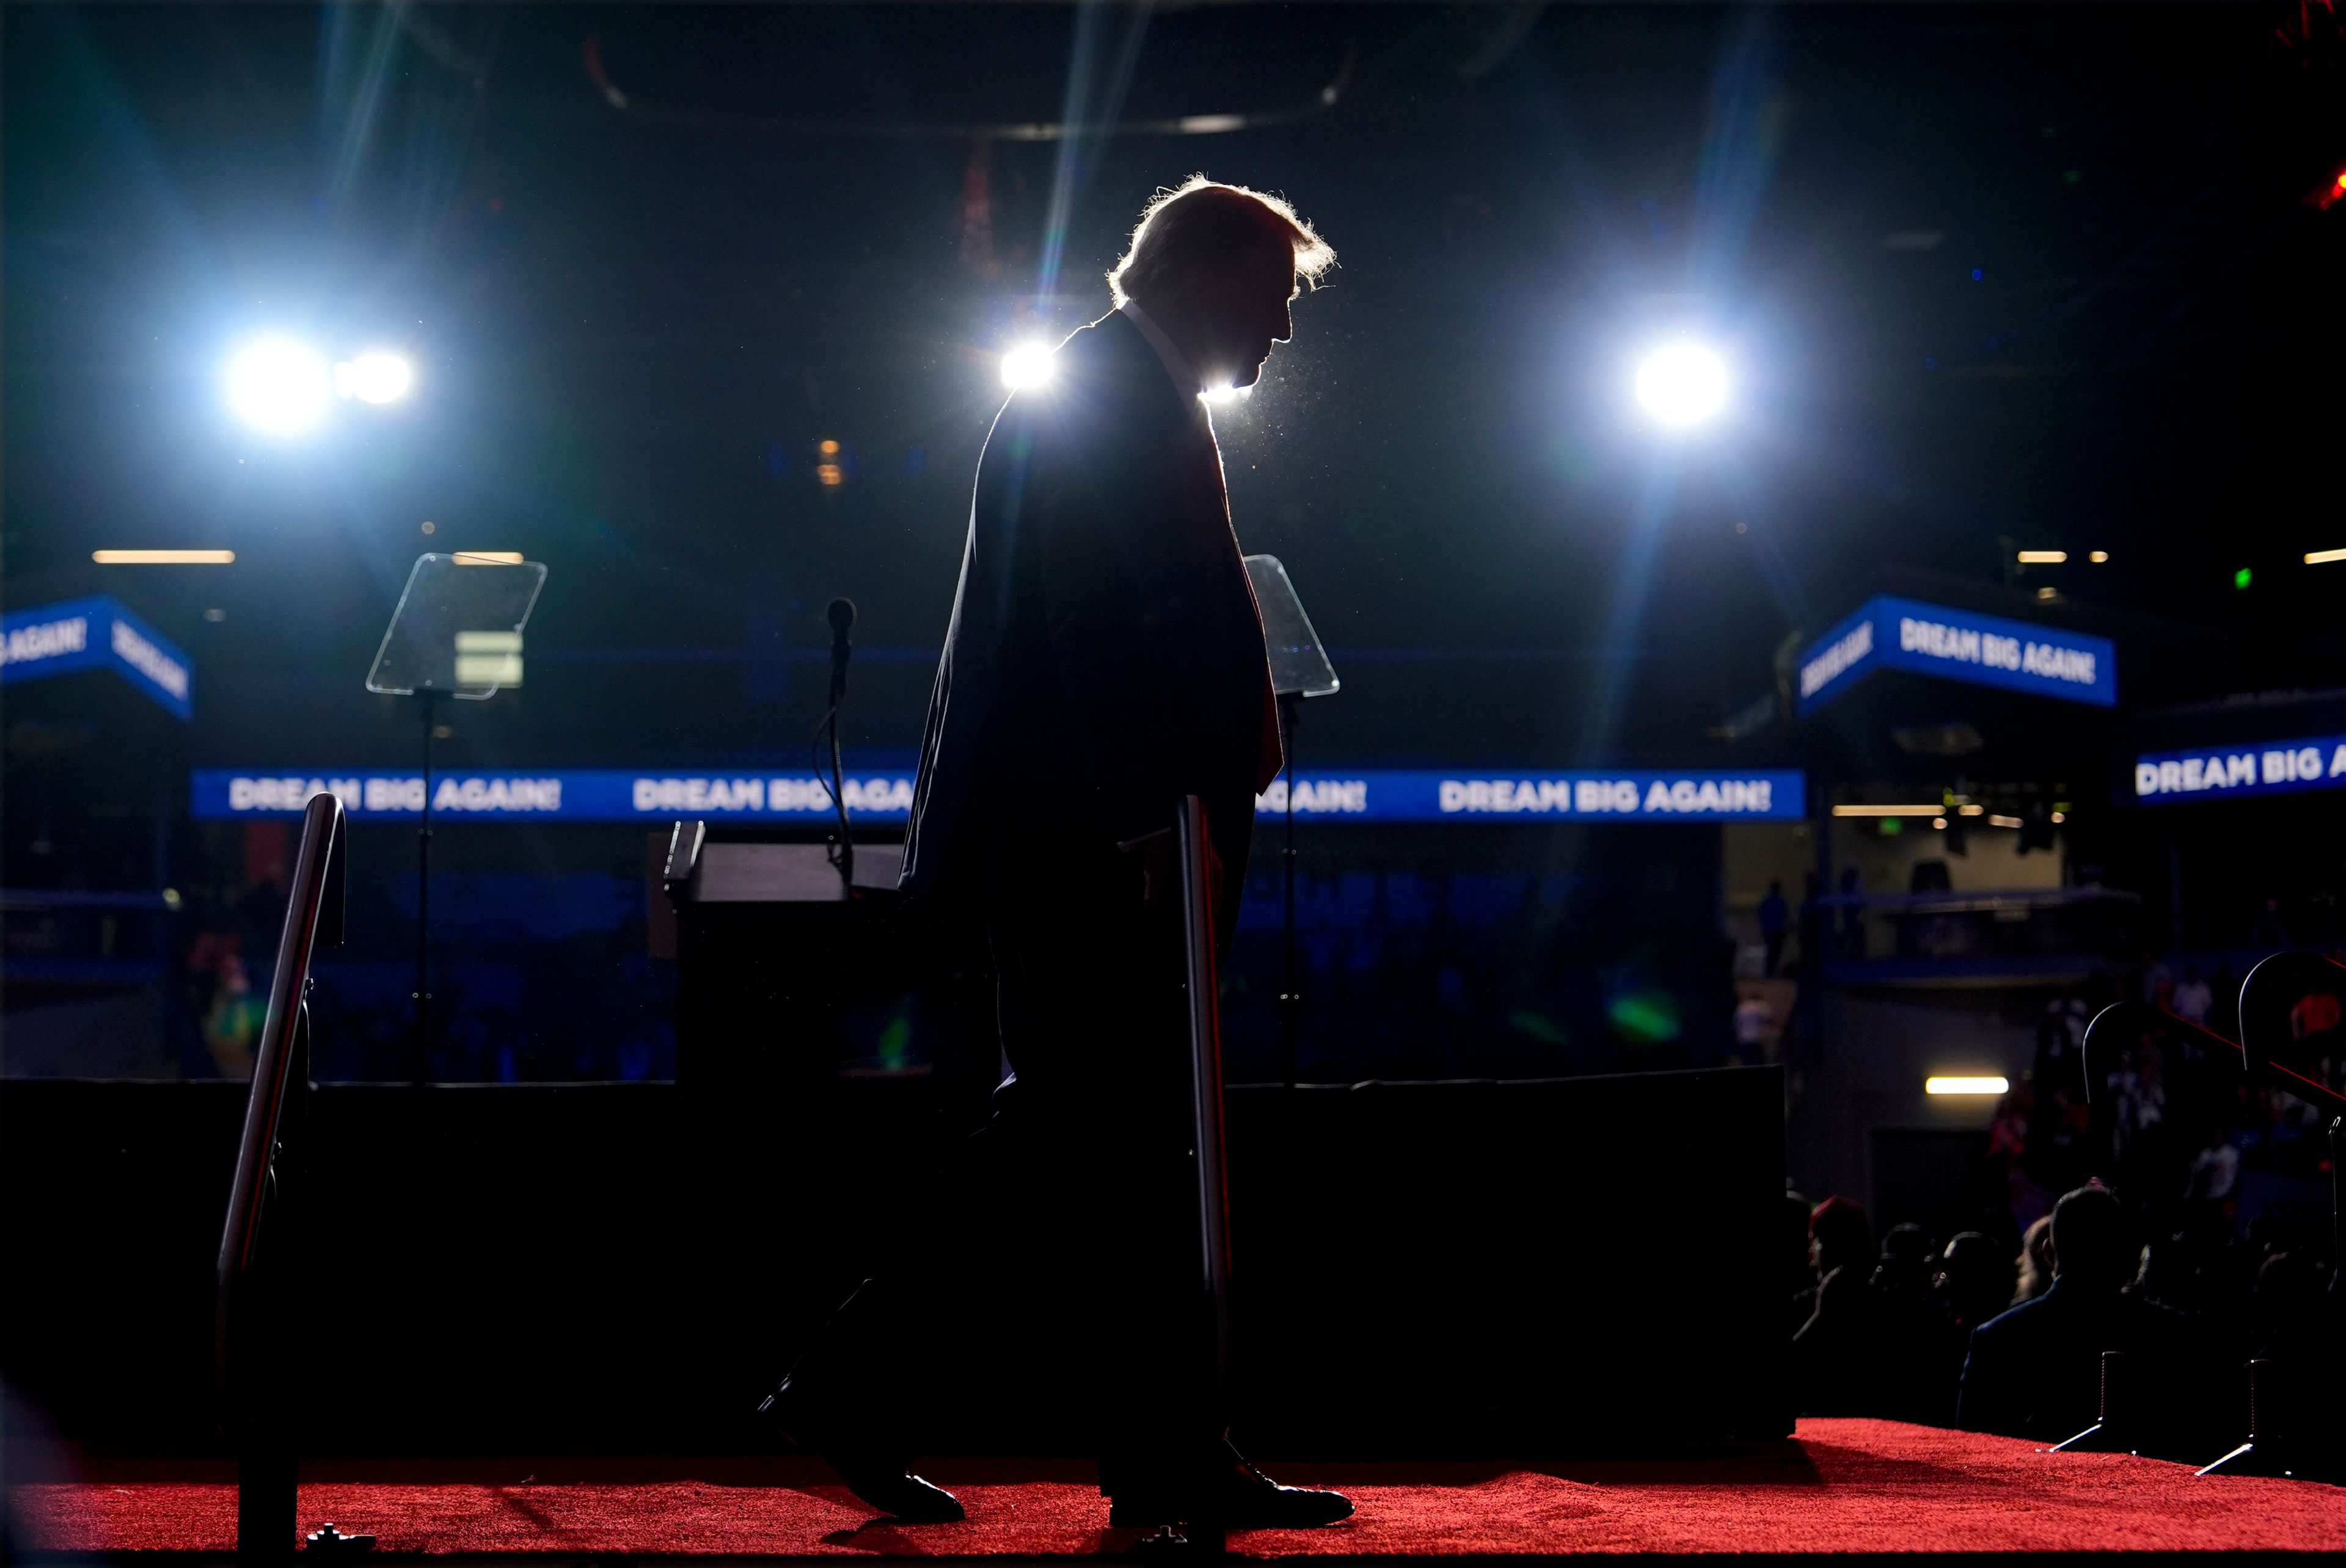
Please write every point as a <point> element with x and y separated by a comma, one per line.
<point>1065,1237</point>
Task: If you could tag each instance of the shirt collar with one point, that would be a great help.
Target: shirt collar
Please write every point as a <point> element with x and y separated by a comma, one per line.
<point>1177,364</point>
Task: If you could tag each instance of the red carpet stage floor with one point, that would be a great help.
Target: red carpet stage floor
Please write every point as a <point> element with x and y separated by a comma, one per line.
<point>1840,1486</point>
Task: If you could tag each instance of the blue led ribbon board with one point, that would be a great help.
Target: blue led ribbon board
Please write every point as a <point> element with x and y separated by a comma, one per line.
<point>1891,633</point>
<point>97,633</point>
<point>2226,773</point>
<point>1376,795</point>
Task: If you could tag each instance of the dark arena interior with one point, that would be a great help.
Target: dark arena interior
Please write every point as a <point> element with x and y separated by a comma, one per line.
<point>1172,781</point>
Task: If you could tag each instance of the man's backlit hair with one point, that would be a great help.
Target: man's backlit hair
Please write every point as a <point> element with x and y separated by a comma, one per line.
<point>1201,226</point>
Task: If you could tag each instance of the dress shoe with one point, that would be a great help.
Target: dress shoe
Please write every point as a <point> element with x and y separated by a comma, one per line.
<point>896,1491</point>
<point>882,1478</point>
<point>1238,1498</point>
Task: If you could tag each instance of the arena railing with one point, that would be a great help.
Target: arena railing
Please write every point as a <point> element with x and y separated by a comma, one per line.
<point>255,1325</point>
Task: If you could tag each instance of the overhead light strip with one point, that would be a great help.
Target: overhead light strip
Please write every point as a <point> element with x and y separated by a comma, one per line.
<point>164,557</point>
<point>1966,1085</point>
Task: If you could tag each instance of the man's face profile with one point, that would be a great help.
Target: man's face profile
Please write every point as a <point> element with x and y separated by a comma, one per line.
<point>1246,308</point>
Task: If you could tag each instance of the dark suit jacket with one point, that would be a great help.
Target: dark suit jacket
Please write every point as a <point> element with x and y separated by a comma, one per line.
<point>1106,655</point>
<point>2036,1371</point>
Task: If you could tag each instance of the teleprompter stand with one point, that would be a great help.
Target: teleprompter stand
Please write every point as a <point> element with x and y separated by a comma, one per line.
<point>1299,669</point>
<point>456,633</point>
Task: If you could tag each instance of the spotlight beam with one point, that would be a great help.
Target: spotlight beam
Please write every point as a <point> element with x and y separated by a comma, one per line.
<point>375,377</point>
<point>1682,384</point>
<point>279,386</point>
<point>1026,366</point>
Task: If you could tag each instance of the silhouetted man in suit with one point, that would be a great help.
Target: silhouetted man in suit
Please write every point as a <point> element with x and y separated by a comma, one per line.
<point>2036,1371</point>
<point>1104,660</point>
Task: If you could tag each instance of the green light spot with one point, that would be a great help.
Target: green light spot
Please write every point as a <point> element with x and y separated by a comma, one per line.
<point>1539,1026</point>
<point>896,1043</point>
<point>1645,1016</point>
<point>2243,577</point>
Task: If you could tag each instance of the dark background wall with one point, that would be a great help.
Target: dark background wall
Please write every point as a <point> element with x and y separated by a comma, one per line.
<point>1421,1268</point>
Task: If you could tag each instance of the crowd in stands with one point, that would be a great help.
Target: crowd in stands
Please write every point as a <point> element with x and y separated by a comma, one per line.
<point>1973,1334</point>
<point>2162,1205</point>
<point>2169,1120</point>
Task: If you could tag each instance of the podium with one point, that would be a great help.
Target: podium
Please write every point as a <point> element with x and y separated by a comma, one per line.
<point>789,988</point>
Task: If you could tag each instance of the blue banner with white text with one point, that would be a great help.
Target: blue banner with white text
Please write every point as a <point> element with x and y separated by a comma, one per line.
<point>619,794</point>
<point>1888,632</point>
<point>2223,772</point>
<point>97,633</point>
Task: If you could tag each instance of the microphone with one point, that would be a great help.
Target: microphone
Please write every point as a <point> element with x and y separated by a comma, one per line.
<point>842,620</point>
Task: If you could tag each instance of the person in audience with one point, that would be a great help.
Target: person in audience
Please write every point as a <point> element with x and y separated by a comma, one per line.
<point>2224,1008</point>
<point>1853,913</point>
<point>1800,1263</point>
<point>1833,1353</point>
<point>1754,1024</point>
<point>2287,1321</point>
<point>2036,1371</point>
<point>1975,1282</point>
<point>2194,997</point>
<point>1916,1344</point>
<point>2035,1264</point>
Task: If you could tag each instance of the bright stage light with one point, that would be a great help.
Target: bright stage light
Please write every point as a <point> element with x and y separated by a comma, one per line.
<point>374,378</point>
<point>1966,1085</point>
<point>1222,397</point>
<point>279,386</point>
<point>1026,366</point>
<point>1682,384</point>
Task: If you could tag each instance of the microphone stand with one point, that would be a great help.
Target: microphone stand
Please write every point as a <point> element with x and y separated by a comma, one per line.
<point>422,1046</point>
<point>842,620</point>
<point>1291,997</point>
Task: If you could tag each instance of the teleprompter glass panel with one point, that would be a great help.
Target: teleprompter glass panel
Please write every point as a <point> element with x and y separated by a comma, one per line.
<point>1298,665</point>
<point>457,630</point>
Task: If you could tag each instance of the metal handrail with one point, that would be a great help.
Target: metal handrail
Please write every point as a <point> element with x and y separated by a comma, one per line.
<point>2269,1023</point>
<point>1981,901</point>
<point>2140,1018</point>
<point>2281,978</point>
<point>248,1330</point>
<point>2275,1021</point>
<point>27,900</point>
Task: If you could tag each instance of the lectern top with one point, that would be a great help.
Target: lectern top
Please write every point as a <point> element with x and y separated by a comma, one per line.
<point>1298,665</point>
<point>457,629</point>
